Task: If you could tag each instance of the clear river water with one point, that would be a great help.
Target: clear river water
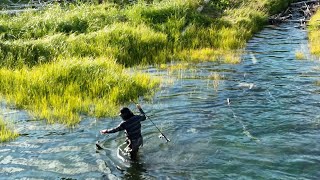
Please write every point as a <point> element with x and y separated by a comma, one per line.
<point>260,120</point>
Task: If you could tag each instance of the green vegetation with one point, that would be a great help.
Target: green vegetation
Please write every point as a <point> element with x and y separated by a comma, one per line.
<point>70,60</point>
<point>300,55</point>
<point>6,133</point>
<point>133,34</point>
<point>314,34</point>
<point>61,91</point>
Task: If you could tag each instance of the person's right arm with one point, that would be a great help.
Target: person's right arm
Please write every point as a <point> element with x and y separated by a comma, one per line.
<point>142,115</point>
<point>113,130</point>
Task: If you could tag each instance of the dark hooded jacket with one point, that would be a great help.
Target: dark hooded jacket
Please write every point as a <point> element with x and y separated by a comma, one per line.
<point>131,125</point>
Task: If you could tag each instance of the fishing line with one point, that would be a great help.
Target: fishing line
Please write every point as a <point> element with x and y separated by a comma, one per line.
<point>244,128</point>
<point>99,143</point>
<point>106,137</point>
<point>162,135</point>
<point>271,96</point>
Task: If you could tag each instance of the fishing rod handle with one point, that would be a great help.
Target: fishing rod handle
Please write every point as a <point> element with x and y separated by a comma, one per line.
<point>140,109</point>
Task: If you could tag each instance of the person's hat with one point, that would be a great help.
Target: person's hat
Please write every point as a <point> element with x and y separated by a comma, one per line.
<point>125,113</point>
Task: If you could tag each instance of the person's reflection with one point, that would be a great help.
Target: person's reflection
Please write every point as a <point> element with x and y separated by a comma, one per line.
<point>123,166</point>
<point>135,171</point>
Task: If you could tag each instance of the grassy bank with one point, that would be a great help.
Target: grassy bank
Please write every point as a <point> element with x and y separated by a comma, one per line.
<point>314,34</point>
<point>70,60</point>
<point>133,34</point>
<point>66,89</point>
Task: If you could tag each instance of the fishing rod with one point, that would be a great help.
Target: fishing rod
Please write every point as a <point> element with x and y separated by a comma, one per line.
<point>162,135</point>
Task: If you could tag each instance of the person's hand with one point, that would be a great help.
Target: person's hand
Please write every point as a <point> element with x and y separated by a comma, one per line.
<point>138,106</point>
<point>105,131</point>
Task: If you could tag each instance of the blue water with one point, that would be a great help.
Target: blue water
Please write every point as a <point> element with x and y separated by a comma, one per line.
<point>261,120</point>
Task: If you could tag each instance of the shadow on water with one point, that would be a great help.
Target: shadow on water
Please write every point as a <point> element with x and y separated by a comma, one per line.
<point>136,170</point>
<point>260,120</point>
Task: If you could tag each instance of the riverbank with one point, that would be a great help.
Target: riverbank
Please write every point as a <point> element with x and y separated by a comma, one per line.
<point>314,34</point>
<point>70,60</point>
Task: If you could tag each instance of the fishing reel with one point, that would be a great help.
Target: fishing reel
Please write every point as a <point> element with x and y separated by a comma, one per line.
<point>160,136</point>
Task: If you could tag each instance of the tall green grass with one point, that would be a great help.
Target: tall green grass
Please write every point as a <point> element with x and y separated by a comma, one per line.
<point>221,38</point>
<point>147,33</point>
<point>130,44</point>
<point>63,90</point>
<point>6,133</point>
<point>73,18</point>
<point>109,30</point>
<point>314,34</point>
<point>19,53</point>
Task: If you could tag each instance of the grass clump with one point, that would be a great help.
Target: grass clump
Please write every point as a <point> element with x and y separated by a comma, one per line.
<point>30,53</point>
<point>216,78</point>
<point>208,54</point>
<point>300,55</point>
<point>130,44</point>
<point>63,90</point>
<point>314,34</point>
<point>73,18</point>
<point>6,133</point>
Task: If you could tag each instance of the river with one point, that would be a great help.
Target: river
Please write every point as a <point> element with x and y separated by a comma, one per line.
<point>260,120</point>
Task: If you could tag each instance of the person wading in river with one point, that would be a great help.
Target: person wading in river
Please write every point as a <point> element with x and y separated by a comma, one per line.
<point>132,126</point>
